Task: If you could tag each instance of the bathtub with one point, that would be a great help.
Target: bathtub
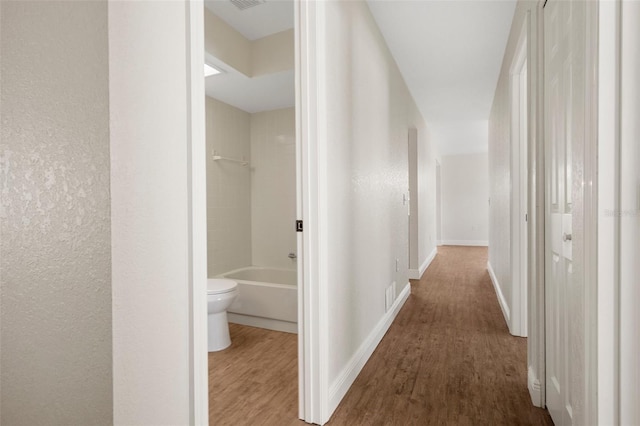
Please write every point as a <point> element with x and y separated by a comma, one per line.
<point>267,298</point>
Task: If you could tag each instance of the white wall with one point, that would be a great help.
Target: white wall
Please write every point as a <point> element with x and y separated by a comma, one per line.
<point>427,233</point>
<point>465,199</point>
<point>151,220</point>
<point>500,154</point>
<point>228,188</point>
<point>629,215</point>
<point>273,188</point>
<point>366,113</point>
<point>55,255</point>
<point>500,192</point>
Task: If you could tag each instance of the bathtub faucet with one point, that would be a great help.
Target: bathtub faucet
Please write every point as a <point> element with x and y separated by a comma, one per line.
<point>292,255</point>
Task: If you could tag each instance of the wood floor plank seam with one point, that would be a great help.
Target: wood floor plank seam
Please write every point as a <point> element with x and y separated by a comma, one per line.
<point>448,359</point>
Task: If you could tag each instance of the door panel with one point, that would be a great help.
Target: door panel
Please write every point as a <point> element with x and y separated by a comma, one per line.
<point>564,104</point>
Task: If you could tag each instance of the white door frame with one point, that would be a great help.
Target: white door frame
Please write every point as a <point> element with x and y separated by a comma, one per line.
<point>519,182</point>
<point>197,148</point>
<point>312,336</point>
<point>311,184</point>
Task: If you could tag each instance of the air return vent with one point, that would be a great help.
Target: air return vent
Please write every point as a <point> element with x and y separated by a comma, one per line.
<point>246,4</point>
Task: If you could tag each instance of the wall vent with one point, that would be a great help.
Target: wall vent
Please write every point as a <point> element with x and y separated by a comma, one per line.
<point>246,4</point>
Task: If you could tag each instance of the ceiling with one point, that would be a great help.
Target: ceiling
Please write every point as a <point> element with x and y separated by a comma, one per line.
<point>252,94</point>
<point>450,54</point>
<point>448,51</point>
<point>256,22</point>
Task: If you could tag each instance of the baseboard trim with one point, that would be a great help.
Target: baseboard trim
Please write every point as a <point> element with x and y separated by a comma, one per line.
<point>428,261</point>
<point>350,372</point>
<point>473,243</point>
<point>535,388</point>
<point>501,300</point>
<point>416,274</point>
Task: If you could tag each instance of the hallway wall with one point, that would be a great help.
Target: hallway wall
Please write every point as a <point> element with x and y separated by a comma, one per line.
<point>368,111</point>
<point>500,192</point>
<point>500,156</point>
<point>55,250</point>
<point>465,199</point>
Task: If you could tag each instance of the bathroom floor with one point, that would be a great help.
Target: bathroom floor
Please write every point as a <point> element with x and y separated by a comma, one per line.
<point>255,380</point>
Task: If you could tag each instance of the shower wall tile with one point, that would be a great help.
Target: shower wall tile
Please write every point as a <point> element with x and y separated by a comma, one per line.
<point>273,188</point>
<point>228,188</point>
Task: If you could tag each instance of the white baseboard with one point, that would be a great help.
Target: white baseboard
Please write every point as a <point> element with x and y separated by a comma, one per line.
<point>428,261</point>
<point>501,300</point>
<point>416,274</point>
<point>474,243</point>
<point>535,389</point>
<point>350,372</point>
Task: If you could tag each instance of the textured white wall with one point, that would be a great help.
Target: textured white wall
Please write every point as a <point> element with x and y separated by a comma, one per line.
<point>273,188</point>
<point>369,111</point>
<point>228,188</point>
<point>150,217</point>
<point>465,197</point>
<point>55,257</point>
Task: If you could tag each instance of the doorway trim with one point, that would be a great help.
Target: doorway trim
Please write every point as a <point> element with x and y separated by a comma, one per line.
<point>519,181</point>
<point>196,180</point>
<point>313,356</point>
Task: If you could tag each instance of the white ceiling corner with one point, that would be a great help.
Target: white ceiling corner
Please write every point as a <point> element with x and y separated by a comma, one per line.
<point>450,55</point>
<point>270,17</point>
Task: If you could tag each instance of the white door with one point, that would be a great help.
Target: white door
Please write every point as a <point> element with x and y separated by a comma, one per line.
<point>564,104</point>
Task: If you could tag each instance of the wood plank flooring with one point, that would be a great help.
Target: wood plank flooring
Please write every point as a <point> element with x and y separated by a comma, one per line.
<point>448,359</point>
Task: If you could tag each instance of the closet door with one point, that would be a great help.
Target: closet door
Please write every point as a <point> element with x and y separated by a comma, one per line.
<point>564,102</point>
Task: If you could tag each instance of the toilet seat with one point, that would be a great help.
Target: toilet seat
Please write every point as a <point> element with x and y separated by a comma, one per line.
<point>220,286</point>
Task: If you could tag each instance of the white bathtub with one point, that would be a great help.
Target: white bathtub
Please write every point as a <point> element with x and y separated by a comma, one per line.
<point>267,298</point>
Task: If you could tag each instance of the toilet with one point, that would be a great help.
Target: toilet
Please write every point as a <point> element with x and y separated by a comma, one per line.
<point>220,294</point>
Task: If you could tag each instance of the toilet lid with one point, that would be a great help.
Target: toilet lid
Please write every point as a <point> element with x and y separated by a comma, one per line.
<point>220,285</point>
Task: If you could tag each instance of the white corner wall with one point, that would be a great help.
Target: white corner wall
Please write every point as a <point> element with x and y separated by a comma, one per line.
<point>55,250</point>
<point>228,133</point>
<point>365,112</point>
<point>465,199</point>
<point>427,232</point>
<point>500,156</point>
<point>150,187</point>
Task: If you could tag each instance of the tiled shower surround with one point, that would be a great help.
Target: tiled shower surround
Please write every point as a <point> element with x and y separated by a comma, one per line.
<point>250,209</point>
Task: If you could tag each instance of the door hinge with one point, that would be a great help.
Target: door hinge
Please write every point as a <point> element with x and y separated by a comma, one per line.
<point>526,217</point>
<point>298,226</point>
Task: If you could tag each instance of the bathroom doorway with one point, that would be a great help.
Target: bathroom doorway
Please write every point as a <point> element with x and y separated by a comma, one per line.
<point>251,206</point>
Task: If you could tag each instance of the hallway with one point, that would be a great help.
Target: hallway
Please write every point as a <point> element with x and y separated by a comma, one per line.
<point>447,359</point>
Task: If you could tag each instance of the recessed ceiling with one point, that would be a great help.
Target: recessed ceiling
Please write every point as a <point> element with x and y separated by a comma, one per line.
<point>264,93</point>
<point>270,17</point>
<point>252,94</point>
<point>449,53</point>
